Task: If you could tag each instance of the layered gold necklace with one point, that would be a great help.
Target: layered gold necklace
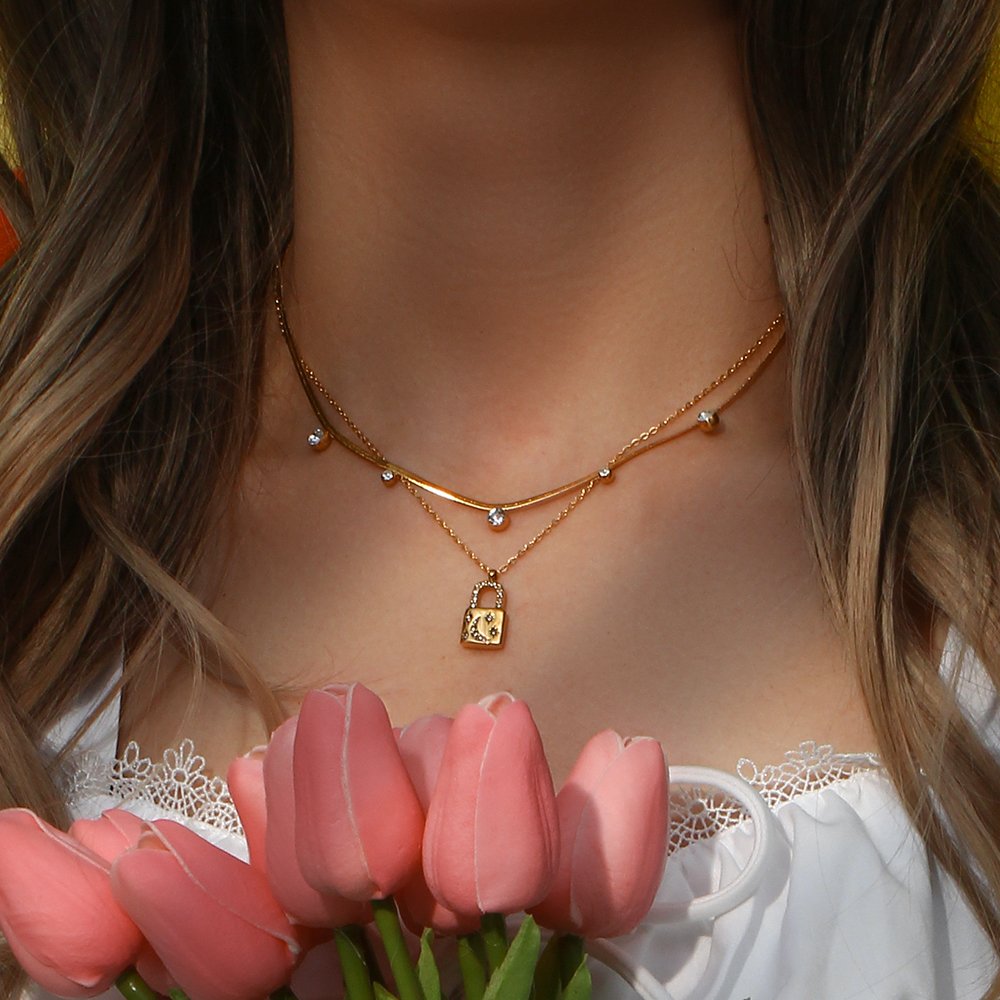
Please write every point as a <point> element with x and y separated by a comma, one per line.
<point>484,627</point>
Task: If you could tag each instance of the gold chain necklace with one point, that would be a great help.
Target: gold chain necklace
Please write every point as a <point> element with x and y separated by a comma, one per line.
<point>483,627</point>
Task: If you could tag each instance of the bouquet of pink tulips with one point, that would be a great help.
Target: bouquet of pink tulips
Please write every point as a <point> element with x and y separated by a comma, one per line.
<point>355,832</point>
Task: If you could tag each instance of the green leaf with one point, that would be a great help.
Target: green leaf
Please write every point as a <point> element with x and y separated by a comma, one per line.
<point>357,978</point>
<point>473,966</point>
<point>514,978</point>
<point>427,970</point>
<point>547,983</point>
<point>571,955</point>
<point>493,931</point>
<point>579,986</point>
<point>381,993</point>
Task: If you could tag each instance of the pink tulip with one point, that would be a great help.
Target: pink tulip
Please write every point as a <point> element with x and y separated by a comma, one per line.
<point>299,899</point>
<point>210,917</point>
<point>358,821</point>
<point>613,826</point>
<point>57,910</point>
<point>112,834</point>
<point>492,838</point>
<point>422,745</point>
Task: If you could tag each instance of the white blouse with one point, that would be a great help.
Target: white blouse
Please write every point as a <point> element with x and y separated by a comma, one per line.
<point>832,894</point>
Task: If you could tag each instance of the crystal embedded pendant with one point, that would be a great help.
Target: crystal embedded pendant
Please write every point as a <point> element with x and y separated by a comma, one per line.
<point>319,440</point>
<point>497,518</point>
<point>482,628</point>
<point>388,477</point>
<point>708,421</point>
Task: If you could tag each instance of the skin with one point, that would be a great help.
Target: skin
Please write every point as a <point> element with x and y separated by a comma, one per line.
<point>524,232</point>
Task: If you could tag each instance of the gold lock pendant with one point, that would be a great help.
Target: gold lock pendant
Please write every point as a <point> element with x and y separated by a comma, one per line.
<point>482,628</point>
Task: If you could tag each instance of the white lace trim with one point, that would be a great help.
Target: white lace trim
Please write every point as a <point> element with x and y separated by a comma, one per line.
<point>179,785</point>
<point>699,812</point>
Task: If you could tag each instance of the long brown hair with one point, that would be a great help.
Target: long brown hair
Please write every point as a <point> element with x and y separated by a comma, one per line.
<point>152,142</point>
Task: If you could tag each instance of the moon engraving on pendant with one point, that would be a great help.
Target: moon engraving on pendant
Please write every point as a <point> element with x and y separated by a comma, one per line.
<point>478,636</point>
<point>483,627</point>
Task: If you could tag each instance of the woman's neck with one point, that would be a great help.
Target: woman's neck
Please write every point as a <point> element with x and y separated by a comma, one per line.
<point>512,216</point>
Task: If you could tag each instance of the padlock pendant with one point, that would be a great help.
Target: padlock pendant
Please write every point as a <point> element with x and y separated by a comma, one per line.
<point>482,628</point>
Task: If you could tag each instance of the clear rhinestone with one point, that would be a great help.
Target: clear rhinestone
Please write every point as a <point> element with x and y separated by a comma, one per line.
<point>497,518</point>
<point>316,438</point>
<point>388,476</point>
<point>605,474</point>
<point>708,420</point>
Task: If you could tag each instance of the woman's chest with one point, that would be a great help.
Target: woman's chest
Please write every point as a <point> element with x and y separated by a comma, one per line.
<point>691,615</point>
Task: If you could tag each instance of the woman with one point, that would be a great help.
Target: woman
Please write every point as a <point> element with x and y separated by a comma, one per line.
<point>517,235</point>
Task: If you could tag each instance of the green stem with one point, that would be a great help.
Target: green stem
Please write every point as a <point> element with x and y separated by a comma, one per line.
<point>357,978</point>
<point>571,954</point>
<point>387,921</point>
<point>473,972</point>
<point>494,932</point>
<point>176,994</point>
<point>131,984</point>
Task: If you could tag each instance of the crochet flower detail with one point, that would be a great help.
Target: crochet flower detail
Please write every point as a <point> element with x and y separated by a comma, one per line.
<point>178,783</point>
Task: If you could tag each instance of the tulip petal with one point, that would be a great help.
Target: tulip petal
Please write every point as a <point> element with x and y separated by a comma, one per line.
<point>491,842</point>
<point>153,972</point>
<point>517,827</point>
<point>299,899</point>
<point>613,819</point>
<point>245,780</point>
<point>347,768</point>
<point>377,777</point>
<point>50,978</point>
<point>624,830</point>
<point>573,799</point>
<point>450,835</point>
<point>210,917</point>
<point>419,909</point>
<point>57,909</point>
<point>112,834</point>
<point>229,882</point>
<point>421,745</point>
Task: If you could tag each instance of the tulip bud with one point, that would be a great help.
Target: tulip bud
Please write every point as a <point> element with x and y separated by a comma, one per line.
<point>613,823</point>
<point>301,901</point>
<point>57,910</point>
<point>492,839</point>
<point>112,834</point>
<point>422,745</point>
<point>358,821</point>
<point>210,917</point>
